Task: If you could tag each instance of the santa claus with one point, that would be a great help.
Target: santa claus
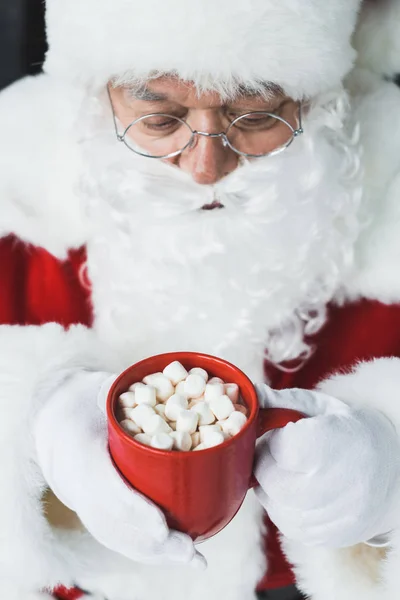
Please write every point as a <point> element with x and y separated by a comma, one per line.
<point>219,176</point>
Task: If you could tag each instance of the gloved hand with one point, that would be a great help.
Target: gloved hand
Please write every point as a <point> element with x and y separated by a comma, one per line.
<point>72,450</point>
<point>331,479</point>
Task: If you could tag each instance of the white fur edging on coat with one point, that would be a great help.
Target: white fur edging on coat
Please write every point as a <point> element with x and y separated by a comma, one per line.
<point>40,164</point>
<point>30,553</point>
<point>377,37</point>
<point>360,571</point>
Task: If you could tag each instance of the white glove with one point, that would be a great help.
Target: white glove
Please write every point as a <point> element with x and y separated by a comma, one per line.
<point>331,479</point>
<point>72,451</point>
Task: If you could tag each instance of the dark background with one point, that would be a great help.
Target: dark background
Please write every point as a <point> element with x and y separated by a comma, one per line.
<point>22,39</point>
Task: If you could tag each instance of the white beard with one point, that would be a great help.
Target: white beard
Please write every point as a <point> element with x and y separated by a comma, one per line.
<point>232,282</point>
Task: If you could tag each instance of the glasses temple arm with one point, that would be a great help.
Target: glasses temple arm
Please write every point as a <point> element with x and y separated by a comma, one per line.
<point>119,136</point>
<point>300,127</point>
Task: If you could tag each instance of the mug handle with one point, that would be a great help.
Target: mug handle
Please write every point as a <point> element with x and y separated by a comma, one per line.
<point>274,418</point>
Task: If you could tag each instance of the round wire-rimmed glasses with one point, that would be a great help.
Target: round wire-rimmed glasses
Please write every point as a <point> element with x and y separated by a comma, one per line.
<point>253,135</point>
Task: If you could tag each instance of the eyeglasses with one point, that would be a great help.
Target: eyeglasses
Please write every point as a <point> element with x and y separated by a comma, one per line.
<point>253,135</point>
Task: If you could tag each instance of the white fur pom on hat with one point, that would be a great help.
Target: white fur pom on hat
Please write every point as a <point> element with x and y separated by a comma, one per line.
<point>304,46</point>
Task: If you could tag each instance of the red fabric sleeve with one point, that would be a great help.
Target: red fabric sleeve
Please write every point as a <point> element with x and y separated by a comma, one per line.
<point>37,288</point>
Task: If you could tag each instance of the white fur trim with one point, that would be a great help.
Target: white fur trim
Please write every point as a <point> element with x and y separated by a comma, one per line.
<point>9,591</point>
<point>302,46</point>
<point>377,37</point>
<point>31,556</point>
<point>360,571</point>
<point>235,558</point>
<point>374,384</point>
<point>40,201</point>
<point>377,109</point>
<point>39,165</point>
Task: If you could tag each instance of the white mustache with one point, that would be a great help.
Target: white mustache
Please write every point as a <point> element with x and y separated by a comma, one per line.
<point>171,193</point>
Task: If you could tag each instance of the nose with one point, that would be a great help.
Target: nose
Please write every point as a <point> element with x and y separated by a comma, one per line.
<point>208,160</point>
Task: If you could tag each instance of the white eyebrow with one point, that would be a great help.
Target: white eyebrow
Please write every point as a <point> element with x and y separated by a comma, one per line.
<point>143,93</point>
<point>267,88</point>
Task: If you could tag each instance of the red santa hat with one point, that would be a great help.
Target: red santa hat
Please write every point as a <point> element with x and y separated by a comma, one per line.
<point>304,46</point>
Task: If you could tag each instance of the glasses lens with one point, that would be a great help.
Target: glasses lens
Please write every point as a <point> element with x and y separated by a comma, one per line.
<point>158,135</point>
<point>259,133</point>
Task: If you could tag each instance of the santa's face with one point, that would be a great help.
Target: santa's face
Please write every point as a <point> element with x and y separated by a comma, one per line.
<point>167,111</point>
<point>256,273</point>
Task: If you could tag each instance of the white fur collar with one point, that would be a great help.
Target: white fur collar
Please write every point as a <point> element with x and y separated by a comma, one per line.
<point>39,170</point>
<point>39,165</point>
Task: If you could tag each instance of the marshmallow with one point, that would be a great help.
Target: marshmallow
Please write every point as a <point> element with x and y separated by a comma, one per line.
<point>187,421</point>
<point>194,386</point>
<point>182,440</point>
<point>180,389</point>
<point>234,423</point>
<point>177,410</point>
<point>232,391</point>
<point>153,376</point>
<point>141,413</point>
<point>195,439</point>
<point>240,408</point>
<point>205,430</point>
<point>142,438</point>
<point>130,426</point>
<point>198,371</point>
<point>160,410</point>
<point>199,447</point>
<point>206,416</point>
<point>222,407</point>
<point>162,441</point>
<point>155,424</point>
<point>174,405</point>
<point>175,372</point>
<point>124,413</point>
<point>164,388</point>
<point>215,438</point>
<point>127,400</point>
<point>223,425</point>
<point>133,387</point>
<point>145,394</point>
<point>196,401</point>
<point>213,391</point>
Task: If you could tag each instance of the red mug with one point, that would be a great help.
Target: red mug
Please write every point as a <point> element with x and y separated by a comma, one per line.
<point>199,492</point>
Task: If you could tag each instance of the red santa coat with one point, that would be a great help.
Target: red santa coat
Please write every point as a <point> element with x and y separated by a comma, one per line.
<point>37,288</point>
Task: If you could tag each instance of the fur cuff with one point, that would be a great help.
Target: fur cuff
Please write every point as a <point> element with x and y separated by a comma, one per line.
<point>374,384</point>
<point>30,550</point>
<point>359,571</point>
